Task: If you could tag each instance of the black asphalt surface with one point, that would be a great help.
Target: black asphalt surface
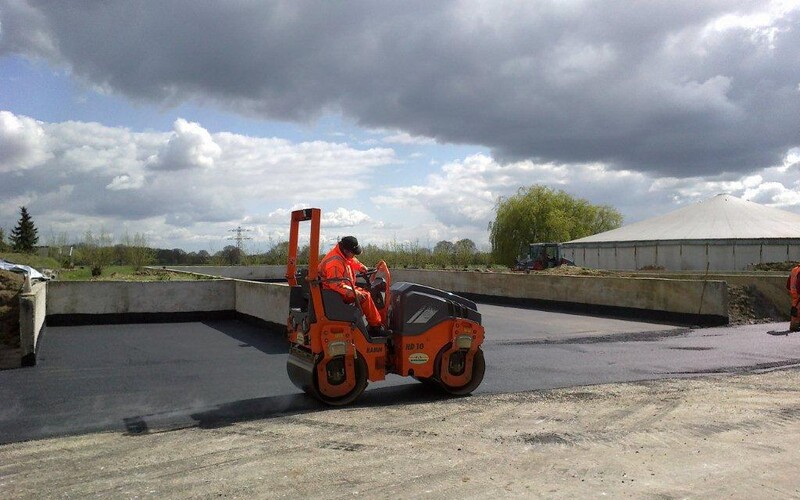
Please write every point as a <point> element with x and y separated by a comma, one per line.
<point>153,377</point>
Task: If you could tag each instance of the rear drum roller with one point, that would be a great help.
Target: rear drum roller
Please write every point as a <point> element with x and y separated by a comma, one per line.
<point>361,382</point>
<point>478,370</point>
<point>300,367</point>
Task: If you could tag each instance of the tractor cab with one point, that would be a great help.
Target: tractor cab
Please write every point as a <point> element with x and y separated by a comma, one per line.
<point>542,256</point>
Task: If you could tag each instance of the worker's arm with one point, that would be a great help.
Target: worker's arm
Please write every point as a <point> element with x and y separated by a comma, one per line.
<point>358,267</point>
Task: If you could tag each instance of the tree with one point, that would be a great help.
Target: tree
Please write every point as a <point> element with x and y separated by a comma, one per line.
<point>444,247</point>
<point>97,251</point>
<point>24,237</point>
<point>464,251</point>
<point>443,253</point>
<point>3,246</point>
<point>136,251</point>
<point>540,214</point>
<point>230,255</point>
<point>277,254</point>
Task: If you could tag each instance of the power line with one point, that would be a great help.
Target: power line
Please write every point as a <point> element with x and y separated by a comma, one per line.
<point>239,237</point>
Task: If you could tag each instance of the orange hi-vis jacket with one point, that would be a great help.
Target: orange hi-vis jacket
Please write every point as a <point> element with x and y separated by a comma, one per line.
<point>793,284</point>
<point>338,273</point>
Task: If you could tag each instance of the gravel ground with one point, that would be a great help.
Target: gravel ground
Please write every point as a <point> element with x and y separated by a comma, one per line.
<point>724,436</point>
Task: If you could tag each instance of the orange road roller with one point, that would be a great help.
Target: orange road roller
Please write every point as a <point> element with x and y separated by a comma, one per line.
<point>429,334</point>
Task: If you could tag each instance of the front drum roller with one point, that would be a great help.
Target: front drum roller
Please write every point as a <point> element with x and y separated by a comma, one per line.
<point>304,373</point>
<point>457,360</point>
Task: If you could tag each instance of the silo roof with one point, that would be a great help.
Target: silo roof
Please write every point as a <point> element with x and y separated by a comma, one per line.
<point>720,217</point>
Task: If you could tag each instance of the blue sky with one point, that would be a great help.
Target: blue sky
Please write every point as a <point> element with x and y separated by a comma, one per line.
<point>404,125</point>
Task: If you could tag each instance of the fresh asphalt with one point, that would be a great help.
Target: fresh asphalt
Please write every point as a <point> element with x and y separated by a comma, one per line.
<point>156,377</point>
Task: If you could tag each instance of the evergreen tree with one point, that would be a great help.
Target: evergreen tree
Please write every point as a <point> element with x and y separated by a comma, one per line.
<point>24,237</point>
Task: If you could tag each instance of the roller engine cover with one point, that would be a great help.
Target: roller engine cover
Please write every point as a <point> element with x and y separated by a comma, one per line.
<point>415,308</point>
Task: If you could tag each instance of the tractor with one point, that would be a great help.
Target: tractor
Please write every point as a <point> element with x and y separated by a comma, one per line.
<point>542,256</point>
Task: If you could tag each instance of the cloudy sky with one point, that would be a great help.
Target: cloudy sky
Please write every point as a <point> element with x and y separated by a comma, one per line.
<point>403,121</point>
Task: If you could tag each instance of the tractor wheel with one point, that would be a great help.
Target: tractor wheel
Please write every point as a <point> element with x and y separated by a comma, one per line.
<point>361,384</point>
<point>478,370</point>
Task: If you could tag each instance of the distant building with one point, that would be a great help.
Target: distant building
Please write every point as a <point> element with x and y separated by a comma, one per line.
<point>724,233</point>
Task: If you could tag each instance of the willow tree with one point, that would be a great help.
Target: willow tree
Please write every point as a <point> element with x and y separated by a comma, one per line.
<point>541,214</point>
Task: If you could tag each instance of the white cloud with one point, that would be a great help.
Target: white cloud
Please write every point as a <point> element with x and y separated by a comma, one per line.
<point>23,142</point>
<point>342,217</point>
<point>458,200</point>
<point>125,181</point>
<point>191,146</point>
<point>406,138</point>
<point>89,176</point>
<point>110,179</point>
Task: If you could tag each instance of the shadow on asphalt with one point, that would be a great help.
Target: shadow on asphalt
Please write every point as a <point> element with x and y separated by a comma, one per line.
<point>277,406</point>
<point>268,341</point>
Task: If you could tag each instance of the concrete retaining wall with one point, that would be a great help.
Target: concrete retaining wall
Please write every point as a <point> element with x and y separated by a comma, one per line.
<point>772,285</point>
<point>72,302</point>
<point>706,299</point>
<point>671,299</point>
<point>263,301</point>
<point>32,313</point>
<point>119,297</point>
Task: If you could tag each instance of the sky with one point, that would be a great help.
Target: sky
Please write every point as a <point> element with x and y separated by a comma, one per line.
<point>405,122</point>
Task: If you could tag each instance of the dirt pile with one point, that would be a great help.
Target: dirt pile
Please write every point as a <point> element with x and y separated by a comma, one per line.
<point>10,289</point>
<point>776,266</point>
<point>748,306</point>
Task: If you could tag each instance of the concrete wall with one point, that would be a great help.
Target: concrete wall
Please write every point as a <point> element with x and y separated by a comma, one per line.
<point>32,313</point>
<point>680,297</point>
<point>120,297</point>
<point>264,301</point>
<point>269,301</point>
<point>771,285</point>
<point>723,255</point>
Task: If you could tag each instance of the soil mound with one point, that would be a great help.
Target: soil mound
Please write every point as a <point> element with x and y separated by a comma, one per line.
<point>10,290</point>
<point>748,306</point>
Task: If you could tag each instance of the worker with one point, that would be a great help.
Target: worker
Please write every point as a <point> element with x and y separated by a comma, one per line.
<point>793,284</point>
<point>338,270</point>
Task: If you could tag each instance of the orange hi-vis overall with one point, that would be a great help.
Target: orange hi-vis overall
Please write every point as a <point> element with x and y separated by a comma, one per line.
<point>793,284</point>
<point>338,274</point>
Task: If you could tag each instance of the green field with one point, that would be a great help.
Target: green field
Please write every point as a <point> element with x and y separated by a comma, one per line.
<point>124,273</point>
<point>84,273</point>
<point>34,261</point>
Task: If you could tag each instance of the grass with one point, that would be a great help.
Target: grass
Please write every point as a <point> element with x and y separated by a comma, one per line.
<point>84,273</point>
<point>32,260</point>
<point>125,273</point>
